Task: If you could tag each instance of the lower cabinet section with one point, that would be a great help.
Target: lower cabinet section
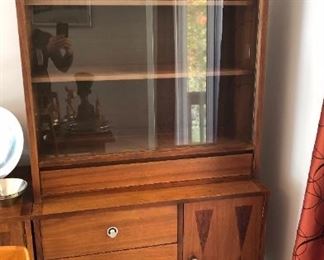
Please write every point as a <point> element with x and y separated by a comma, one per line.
<point>228,229</point>
<point>167,252</point>
<point>17,234</point>
<point>208,228</point>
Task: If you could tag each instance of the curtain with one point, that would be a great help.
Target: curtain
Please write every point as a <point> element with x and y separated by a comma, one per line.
<point>309,243</point>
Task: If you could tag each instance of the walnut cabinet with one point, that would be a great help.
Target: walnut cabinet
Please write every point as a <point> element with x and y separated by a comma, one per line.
<point>144,127</point>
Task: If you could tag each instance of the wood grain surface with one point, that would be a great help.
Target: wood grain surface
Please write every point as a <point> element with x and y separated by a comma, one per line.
<point>263,12</point>
<point>24,33</point>
<point>12,234</point>
<point>86,233</point>
<point>128,199</point>
<point>231,230</point>
<point>167,252</point>
<point>224,146</point>
<point>137,174</point>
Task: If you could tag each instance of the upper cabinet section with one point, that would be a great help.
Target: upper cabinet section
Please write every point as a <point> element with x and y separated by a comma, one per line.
<point>137,76</point>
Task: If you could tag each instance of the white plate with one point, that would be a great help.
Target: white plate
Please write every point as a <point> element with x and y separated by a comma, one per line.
<point>11,142</point>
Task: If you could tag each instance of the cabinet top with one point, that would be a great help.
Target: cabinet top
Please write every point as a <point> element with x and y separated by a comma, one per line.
<point>140,2</point>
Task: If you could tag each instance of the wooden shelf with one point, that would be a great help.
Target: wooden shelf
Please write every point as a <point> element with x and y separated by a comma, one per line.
<point>139,198</point>
<point>223,147</point>
<point>113,75</point>
<point>140,2</point>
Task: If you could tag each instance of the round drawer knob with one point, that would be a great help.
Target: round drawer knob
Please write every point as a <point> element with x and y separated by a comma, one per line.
<point>193,258</point>
<point>112,232</point>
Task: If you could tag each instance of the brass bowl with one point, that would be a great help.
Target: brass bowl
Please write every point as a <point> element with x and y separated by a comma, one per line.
<point>11,188</point>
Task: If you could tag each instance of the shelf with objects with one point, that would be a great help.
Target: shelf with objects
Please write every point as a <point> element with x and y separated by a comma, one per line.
<point>165,78</point>
<point>116,117</point>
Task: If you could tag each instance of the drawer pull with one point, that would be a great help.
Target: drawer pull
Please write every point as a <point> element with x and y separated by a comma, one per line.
<point>112,232</point>
<point>193,258</point>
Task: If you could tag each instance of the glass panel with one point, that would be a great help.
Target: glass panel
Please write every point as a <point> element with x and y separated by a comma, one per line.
<point>118,78</point>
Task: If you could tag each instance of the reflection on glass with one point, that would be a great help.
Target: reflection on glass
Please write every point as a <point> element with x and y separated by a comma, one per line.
<point>113,79</point>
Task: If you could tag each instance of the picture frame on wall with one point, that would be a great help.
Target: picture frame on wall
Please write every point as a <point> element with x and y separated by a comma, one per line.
<point>78,16</point>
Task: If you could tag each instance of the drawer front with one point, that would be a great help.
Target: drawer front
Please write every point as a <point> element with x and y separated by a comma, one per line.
<point>87,233</point>
<point>168,252</point>
<point>118,176</point>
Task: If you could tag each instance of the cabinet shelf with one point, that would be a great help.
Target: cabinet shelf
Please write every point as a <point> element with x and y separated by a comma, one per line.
<point>113,75</point>
<point>224,146</point>
<point>139,2</point>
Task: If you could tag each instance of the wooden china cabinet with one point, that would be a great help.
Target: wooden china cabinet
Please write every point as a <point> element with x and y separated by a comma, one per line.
<point>144,127</point>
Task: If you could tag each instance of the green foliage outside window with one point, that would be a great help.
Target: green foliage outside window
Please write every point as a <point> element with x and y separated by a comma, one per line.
<point>197,44</point>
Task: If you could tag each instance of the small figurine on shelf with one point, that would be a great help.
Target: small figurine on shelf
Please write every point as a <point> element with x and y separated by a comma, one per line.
<point>70,111</point>
<point>99,116</point>
<point>53,109</point>
<point>102,123</point>
<point>86,116</point>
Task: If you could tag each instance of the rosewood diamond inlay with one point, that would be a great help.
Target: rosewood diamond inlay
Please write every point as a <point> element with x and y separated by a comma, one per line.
<point>243,215</point>
<point>203,218</point>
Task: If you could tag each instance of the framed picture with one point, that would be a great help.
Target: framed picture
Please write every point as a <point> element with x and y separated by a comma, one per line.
<point>51,15</point>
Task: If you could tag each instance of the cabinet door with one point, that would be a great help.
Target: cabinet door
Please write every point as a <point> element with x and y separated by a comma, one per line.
<point>110,77</point>
<point>223,229</point>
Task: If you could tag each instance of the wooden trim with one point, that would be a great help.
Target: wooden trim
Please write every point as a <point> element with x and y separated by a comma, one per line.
<point>138,2</point>
<point>180,230</point>
<point>137,174</point>
<point>263,225</point>
<point>223,147</point>
<point>108,75</point>
<point>260,81</point>
<point>77,203</point>
<point>38,239</point>
<point>29,239</point>
<point>161,252</point>
<point>30,111</point>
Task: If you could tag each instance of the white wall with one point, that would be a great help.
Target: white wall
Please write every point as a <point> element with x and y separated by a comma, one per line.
<point>11,86</point>
<point>293,98</point>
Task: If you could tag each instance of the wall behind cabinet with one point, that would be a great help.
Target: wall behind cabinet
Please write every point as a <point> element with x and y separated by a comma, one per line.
<point>293,98</point>
<point>11,83</point>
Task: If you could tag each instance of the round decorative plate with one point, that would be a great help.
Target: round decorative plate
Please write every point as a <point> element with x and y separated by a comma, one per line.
<point>11,142</point>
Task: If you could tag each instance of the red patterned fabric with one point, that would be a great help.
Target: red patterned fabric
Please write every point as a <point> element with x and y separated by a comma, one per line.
<point>309,243</point>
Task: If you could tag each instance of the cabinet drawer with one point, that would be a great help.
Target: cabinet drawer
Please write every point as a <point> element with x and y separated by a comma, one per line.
<point>86,233</point>
<point>168,252</point>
